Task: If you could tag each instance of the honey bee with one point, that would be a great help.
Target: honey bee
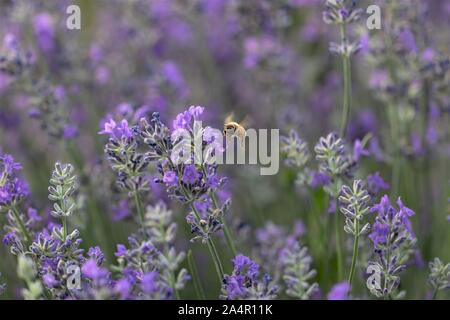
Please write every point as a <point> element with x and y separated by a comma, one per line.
<point>234,129</point>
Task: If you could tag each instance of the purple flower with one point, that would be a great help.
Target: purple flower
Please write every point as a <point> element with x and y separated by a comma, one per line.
<point>319,179</point>
<point>125,109</point>
<point>428,55</point>
<point>375,149</point>
<point>236,286</point>
<point>9,165</point>
<point>149,283</point>
<point>115,130</point>
<point>44,29</point>
<point>245,266</point>
<point>358,150</point>
<point>393,241</point>
<point>244,282</point>
<point>182,120</point>
<point>190,174</point>
<point>97,254</point>
<point>190,218</point>
<point>375,183</point>
<point>33,215</point>
<point>49,280</point>
<point>379,233</point>
<point>389,218</point>
<point>170,178</point>
<point>70,131</point>
<point>91,270</point>
<point>382,207</point>
<point>407,40</point>
<point>9,238</point>
<point>12,188</point>
<point>123,288</point>
<point>339,291</point>
<point>214,139</point>
<point>121,251</point>
<point>196,111</point>
<point>122,211</point>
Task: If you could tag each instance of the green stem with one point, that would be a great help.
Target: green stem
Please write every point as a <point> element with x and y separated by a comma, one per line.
<point>337,227</point>
<point>140,212</point>
<point>209,241</point>
<point>226,229</point>
<point>212,250</point>
<point>435,291</point>
<point>395,149</point>
<point>355,253</point>
<point>64,221</point>
<point>346,71</point>
<point>216,259</point>
<point>21,225</point>
<point>228,237</point>
<point>193,269</point>
<point>177,293</point>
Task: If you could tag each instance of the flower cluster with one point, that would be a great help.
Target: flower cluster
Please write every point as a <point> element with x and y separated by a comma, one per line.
<point>53,255</point>
<point>161,230</point>
<point>334,161</point>
<point>297,155</point>
<point>375,183</point>
<point>439,277</point>
<point>245,282</point>
<point>272,241</point>
<point>264,60</point>
<point>12,187</point>
<point>295,149</point>
<point>49,107</point>
<point>393,241</point>
<point>63,186</point>
<point>187,179</point>
<point>354,206</point>
<point>123,154</point>
<point>342,12</point>
<point>298,273</point>
<point>14,61</point>
<point>136,264</point>
<point>153,263</point>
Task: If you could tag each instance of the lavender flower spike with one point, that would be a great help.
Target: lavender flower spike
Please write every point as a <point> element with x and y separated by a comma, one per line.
<point>354,206</point>
<point>245,282</point>
<point>439,277</point>
<point>298,272</point>
<point>393,242</point>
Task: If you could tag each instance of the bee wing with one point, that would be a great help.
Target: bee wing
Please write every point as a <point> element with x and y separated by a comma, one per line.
<point>246,122</point>
<point>230,117</point>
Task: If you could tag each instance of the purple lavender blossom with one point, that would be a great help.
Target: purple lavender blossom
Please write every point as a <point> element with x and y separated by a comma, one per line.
<point>117,131</point>
<point>358,150</point>
<point>375,183</point>
<point>121,211</point>
<point>44,29</point>
<point>407,40</point>
<point>245,282</point>
<point>339,291</point>
<point>190,174</point>
<point>196,182</point>
<point>394,243</point>
<point>12,187</point>
<point>319,179</point>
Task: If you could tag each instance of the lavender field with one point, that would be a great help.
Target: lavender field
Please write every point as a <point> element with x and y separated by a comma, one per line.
<point>113,115</point>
